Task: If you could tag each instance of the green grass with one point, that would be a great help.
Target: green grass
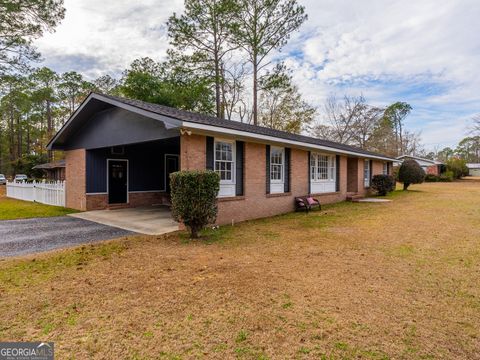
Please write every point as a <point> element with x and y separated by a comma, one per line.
<point>11,209</point>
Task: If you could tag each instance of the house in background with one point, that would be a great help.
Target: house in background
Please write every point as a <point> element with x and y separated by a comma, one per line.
<point>54,171</point>
<point>120,152</point>
<point>432,167</point>
<point>473,169</point>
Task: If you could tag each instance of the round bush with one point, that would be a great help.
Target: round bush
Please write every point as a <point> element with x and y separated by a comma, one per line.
<point>194,198</point>
<point>410,173</point>
<point>383,184</point>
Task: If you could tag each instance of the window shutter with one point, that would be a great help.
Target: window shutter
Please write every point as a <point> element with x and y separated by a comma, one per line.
<point>371,173</point>
<point>337,173</point>
<point>239,156</point>
<point>209,153</point>
<point>267,169</point>
<point>286,184</point>
<point>309,173</point>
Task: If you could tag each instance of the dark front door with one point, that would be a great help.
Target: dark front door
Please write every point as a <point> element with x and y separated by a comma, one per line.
<point>117,181</point>
<point>171,165</point>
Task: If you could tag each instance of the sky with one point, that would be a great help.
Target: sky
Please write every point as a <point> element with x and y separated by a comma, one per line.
<point>424,52</point>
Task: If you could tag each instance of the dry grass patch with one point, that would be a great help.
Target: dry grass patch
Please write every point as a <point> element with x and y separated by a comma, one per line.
<point>374,281</point>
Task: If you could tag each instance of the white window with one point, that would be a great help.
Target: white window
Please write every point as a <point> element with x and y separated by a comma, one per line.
<point>276,164</point>
<point>277,170</point>
<point>385,169</point>
<point>225,166</point>
<point>322,173</point>
<point>366,173</point>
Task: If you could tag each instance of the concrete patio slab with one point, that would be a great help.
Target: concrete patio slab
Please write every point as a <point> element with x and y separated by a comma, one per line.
<point>152,220</point>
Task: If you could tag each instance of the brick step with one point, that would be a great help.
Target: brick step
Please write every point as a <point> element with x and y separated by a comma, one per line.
<point>354,197</point>
<point>117,206</point>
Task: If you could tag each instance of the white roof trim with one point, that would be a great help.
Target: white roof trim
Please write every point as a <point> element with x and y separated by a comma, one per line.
<point>434,162</point>
<point>267,138</point>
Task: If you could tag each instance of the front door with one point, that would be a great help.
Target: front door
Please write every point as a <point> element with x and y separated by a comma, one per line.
<point>171,165</point>
<point>117,181</point>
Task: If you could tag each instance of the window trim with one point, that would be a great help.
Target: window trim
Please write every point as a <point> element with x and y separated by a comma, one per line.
<point>331,168</point>
<point>233,161</point>
<point>385,168</point>
<point>282,171</point>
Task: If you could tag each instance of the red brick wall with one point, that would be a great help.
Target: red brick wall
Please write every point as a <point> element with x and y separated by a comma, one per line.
<point>433,170</point>
<point>75,182</point>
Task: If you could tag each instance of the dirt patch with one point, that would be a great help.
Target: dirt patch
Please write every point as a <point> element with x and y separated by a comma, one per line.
<point>396,280</point>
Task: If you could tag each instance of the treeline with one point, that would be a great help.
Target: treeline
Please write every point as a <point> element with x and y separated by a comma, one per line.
<point>222,61</point>
<point>353,121</point>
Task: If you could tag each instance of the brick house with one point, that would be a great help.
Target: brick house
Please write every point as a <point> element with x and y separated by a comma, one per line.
<point>432,167</point>
<point>120,152</point>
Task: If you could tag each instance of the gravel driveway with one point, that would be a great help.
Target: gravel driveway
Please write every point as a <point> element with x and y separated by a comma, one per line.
<point>27,236</point>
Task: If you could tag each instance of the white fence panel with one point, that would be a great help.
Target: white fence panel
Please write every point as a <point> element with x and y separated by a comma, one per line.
<point>50,193</point>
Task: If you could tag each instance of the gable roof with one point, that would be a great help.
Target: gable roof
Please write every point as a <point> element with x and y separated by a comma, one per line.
<point>192,120</point>
<point>473,165</point>
<point>51,165</point>
<point>433,162</point>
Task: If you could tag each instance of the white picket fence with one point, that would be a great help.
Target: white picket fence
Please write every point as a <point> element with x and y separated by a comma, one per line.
<point>50,193</point>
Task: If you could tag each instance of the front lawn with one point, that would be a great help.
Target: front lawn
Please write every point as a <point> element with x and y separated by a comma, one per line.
<point>16,209</point>
<point>396,280</point>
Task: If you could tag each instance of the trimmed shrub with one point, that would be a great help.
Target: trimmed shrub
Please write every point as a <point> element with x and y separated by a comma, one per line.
<point>432,178</point>
<point>383,184</point>
<point>458,167</point>
<point>194,198</point>
<point>445,177</point>
<point>410,173</point>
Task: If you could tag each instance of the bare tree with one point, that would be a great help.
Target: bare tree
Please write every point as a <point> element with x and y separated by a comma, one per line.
<point>341,118</point>
<point>476,124</point>
<point>366,123</point>
<point>233,89</point>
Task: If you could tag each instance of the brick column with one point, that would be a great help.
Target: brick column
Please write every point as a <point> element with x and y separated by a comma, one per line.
<point>75,179</point>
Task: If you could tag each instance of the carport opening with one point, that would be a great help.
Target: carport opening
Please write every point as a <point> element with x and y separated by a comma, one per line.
<point>132,174</point>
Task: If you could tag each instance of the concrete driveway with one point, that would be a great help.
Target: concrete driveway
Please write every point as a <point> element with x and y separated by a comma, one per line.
<point>27,236</point>
<point>149,220</point>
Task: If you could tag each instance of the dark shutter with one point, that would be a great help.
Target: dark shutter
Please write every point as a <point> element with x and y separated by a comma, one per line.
<point>267,172</point>
<point>371,173</point>
<point>209,154</point>
<point>309,173</point>
<point>286,184</point>
<point>239,155</point>
<point>337,173</point>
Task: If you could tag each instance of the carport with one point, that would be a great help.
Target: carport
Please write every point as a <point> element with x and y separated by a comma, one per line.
<point>117,155</point>
<point>149,220</point>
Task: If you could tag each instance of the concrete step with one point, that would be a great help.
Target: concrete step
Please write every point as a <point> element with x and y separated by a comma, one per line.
<point>354,197</point>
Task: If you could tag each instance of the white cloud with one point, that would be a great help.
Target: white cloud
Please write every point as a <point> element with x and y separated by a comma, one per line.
<point>425,52</point>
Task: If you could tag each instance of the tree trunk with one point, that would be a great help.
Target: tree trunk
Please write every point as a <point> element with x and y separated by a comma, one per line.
<point>405,186</point>
<point>255,92</point>
<point>49,129</point>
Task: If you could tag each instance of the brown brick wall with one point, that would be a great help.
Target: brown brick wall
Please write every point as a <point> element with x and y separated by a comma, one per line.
<point>100,201</point>
<point>256,203</point>
<point>75,182</point>
<point>192,152</point>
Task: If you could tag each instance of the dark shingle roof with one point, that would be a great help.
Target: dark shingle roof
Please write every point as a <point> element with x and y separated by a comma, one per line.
<point>52,165</point>
<point>189,116</point>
